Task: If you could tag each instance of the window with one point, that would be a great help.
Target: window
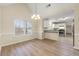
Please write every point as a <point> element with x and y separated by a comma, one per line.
<point>28,28</point>
<point>22,27</point>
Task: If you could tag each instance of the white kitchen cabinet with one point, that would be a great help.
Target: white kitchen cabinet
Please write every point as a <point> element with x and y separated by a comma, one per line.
<point>52,36</point>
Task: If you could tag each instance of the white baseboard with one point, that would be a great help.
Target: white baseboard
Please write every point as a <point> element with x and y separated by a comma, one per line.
<point>76,48</point>
<point>10,43</point>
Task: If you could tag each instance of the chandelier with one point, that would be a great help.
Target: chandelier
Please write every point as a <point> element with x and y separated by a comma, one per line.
<point>35,16</point>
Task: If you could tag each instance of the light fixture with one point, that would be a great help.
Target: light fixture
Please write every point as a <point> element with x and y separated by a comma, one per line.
<point>35,16</point>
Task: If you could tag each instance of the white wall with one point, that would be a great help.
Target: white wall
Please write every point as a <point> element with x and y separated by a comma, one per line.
<point>0,27</point>
<point>40,29</point>
<point>9,14</point>
<point>76,19</point>
<point>0,20</point>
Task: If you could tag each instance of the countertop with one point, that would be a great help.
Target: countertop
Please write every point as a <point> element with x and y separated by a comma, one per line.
<point>50,31</point>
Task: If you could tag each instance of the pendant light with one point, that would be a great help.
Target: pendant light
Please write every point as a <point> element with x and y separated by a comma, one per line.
<point>35,16</point>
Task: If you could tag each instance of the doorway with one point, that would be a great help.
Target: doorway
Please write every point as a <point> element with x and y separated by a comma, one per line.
<point>61,30</point>
<point>66,34</point>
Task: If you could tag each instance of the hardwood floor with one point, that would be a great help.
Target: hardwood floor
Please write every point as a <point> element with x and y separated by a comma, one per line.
<point>37,47</point>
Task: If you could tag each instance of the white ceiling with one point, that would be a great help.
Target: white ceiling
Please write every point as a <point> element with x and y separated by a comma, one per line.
<point>56,9</point>
<point>5,4</point>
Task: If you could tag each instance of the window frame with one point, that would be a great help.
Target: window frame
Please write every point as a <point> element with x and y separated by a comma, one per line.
<point>24,29</point>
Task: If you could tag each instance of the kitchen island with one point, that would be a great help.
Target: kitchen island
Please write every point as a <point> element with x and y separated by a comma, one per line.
<point>49,34</point>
